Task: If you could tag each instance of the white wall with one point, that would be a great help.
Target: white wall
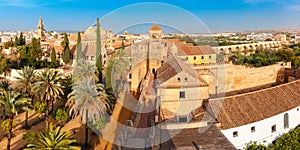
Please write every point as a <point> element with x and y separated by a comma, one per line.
<point>263,132</point>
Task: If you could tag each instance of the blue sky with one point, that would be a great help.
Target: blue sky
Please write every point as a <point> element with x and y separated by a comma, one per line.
<point>214,15</point>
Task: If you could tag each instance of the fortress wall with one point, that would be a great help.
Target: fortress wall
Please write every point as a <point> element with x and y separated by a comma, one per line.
<point>237,77</point>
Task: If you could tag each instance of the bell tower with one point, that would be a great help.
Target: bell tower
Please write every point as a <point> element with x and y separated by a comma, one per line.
<point>41,30</point>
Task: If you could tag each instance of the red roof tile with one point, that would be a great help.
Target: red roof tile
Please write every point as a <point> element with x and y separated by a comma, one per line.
<point>248,108</point>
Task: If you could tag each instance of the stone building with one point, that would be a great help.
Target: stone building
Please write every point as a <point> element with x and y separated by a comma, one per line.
<point>180,90</point>
<point>155,32</point>
<point>41,30</point>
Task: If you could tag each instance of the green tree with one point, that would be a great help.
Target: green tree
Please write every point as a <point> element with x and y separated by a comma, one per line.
<point>255,146</point>
<point>79,54</point>
<point>4,68</point>
<point>16,42</point>
<point>53,139</point>
<point>24,84</point>
<point>98,53</point>
<point>66,56</point>
<point>66,83</point>
<point>13,102</point>
<point>53,57</point>
<point>49,87</point>
<point>61,114</point>
<point>22,40</point>
<point>87,99</point>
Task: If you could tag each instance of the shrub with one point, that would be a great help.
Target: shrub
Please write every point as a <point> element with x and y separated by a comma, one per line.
<point>30,137</point>
<point>5,124</point>
<point>40,107</point>
<point>61,114</point>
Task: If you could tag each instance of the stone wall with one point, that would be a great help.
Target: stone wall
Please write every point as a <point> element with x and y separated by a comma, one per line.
<point>229,77</point>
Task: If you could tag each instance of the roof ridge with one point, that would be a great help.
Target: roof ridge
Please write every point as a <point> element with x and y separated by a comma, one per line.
<point>253,92</point>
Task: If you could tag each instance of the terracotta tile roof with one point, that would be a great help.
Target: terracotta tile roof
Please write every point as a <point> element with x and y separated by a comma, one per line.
<point>173,66</point>
<point>194,50</point>
<point>209,137</point>
<point>247,108</point>
<point>155,27</point>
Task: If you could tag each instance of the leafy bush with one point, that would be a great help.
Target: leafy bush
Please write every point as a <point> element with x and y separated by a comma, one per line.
<point>40,107</point>
<point>61,114</point>
<point>30,137</point>
<point>5,124</point>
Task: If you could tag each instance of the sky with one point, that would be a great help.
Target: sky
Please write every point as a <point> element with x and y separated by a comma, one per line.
<point>190,16</point>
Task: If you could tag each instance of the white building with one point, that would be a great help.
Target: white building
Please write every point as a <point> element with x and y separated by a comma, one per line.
<point>260,116</point>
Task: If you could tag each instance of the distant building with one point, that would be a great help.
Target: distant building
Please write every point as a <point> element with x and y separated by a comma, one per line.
<point>41,30</point>
<point>155,31</point>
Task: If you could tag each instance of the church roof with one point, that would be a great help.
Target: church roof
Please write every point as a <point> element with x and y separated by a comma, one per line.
<point>239,110</point>
<point>155,27</point>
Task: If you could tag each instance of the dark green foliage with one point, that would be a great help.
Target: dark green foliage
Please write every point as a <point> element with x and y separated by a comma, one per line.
<point>290,140</point>
<point>66,86</point>
<point>31,53</point>
<point>79,54</point>
<point>265,57</point>
<point>254,146</point>
<point>54,61</point>
<point>66,53</point>
<point>111,101</point>
<point>98,53</point>
<point>8,44</point>
<point>40,107</point>
<point>5,124</point>
<point>20,41</point>
<point>61,114</point>
<point>3,64</point>
<point>30,136</point>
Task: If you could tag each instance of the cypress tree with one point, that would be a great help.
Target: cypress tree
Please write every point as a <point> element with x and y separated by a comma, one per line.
<point>79,54</point>
<point>122,45</point>
<point>53,55</point>
<point>16,43</point>
<point>98,53</point>
<point>66,53</point>
<point>22,39</point>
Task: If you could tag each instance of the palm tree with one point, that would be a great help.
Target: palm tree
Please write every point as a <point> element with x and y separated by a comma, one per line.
<point>116,69</point>
<point>49,87</point>
<point>53,139</point>
<point>4,86</point>
<point>13,102</point>
<point>87,100</point>
<point>66,83</point>
<point>24,85</point>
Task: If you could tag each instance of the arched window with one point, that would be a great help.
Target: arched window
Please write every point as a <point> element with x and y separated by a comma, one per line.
<point>153,70</point>
<point>286,120</point>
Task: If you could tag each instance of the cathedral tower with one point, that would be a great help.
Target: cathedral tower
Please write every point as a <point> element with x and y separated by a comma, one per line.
<point>41,30</point>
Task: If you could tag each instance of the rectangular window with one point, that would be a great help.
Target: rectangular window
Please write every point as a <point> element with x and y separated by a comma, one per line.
<point>274,128</point>
<point>182,94</point>
<point>235,134</point>
<point>209,57</point>
<point>130,76</point>
<point>194,57</point>
<point>92,58</point>
<point>182,119</point>
<point>202,57</point>
<point>252,129</point>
